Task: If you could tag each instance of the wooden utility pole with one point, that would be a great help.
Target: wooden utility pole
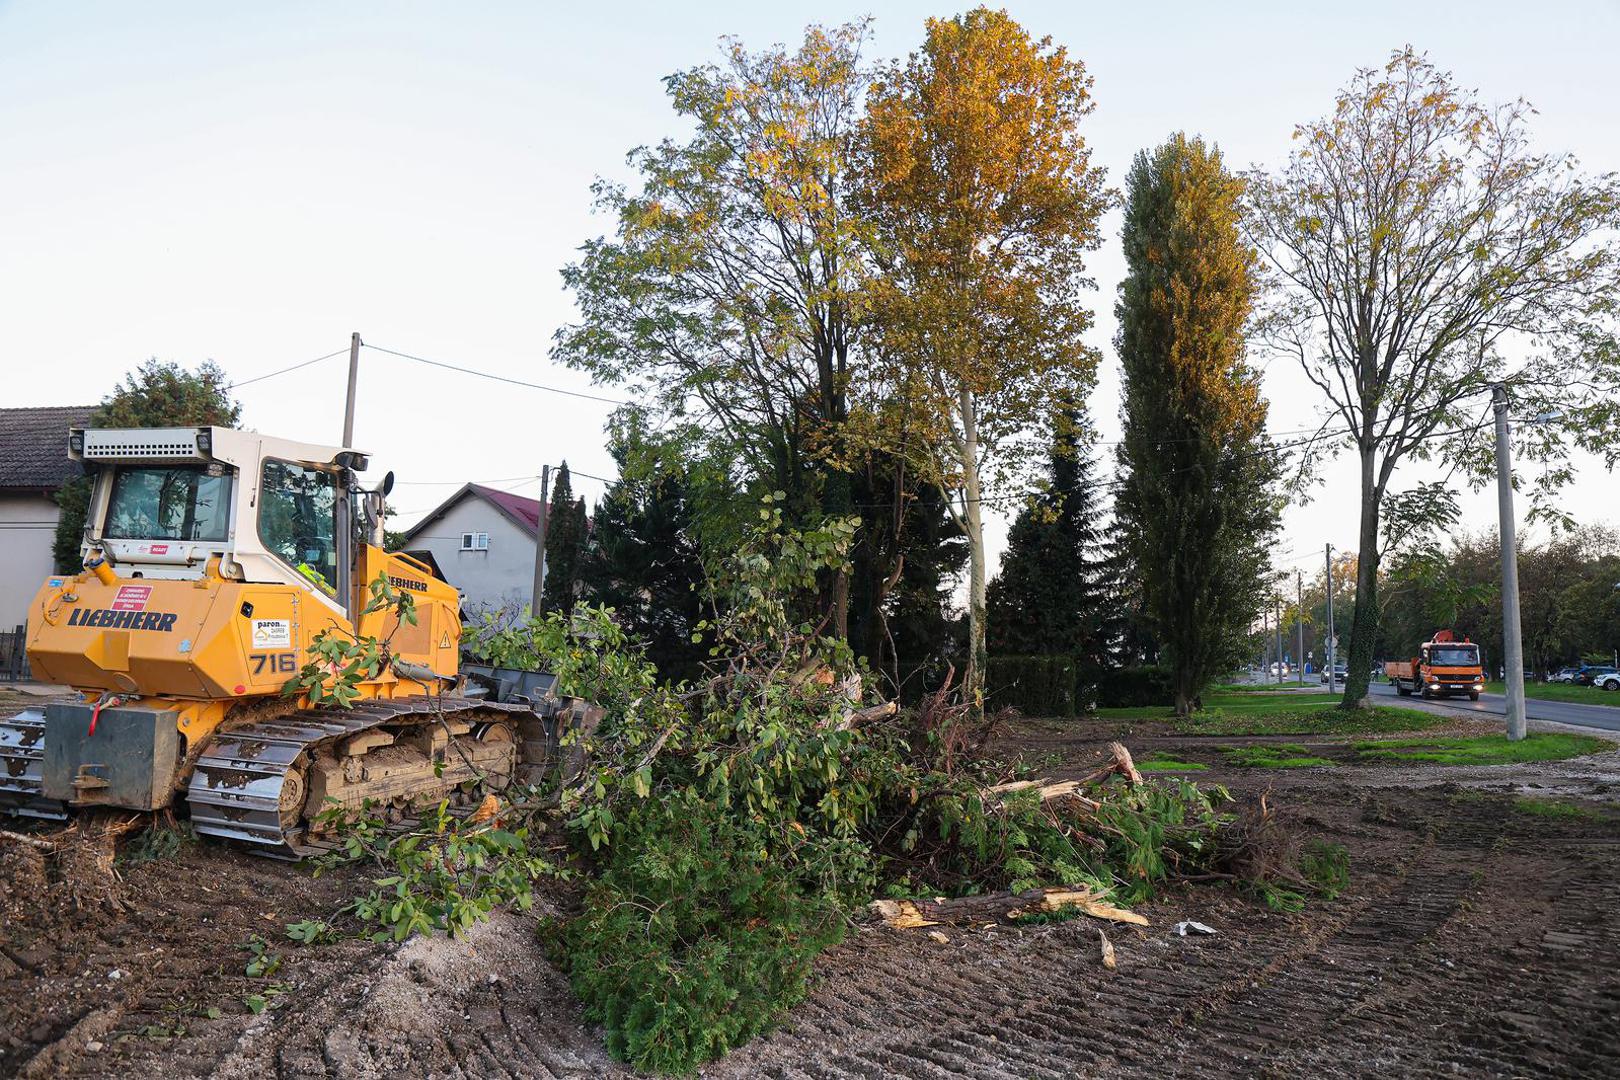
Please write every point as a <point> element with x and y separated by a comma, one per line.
<point>540,544</point>
<point>354,380</point>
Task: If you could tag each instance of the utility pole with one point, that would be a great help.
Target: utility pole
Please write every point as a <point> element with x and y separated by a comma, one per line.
<point>354,379</point>
<point>1512,640</point>
<point>1332,675</point>
<point>540,543</point>
<point>1279,642</point>
<point>1299,623</point>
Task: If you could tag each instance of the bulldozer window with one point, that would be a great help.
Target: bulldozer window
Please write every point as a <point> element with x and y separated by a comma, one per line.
<point>298,520</point>
<point>169,502</point>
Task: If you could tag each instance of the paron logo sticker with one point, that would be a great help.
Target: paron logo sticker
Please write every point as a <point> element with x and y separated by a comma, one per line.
<point>132,598</point>
<point>272,633</point>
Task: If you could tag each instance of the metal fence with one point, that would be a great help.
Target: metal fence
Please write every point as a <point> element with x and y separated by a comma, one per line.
<point>13,658</point>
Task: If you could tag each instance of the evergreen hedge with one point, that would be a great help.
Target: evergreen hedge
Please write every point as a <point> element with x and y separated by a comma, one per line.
<point>1060,686</point>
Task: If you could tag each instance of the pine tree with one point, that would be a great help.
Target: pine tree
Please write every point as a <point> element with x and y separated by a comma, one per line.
<point>643,561</point>
<point>1050,596</point>
<point>1195,500</point>
<point>565,540</point>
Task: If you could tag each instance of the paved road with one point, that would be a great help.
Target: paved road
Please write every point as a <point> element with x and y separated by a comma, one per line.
<point>1561,712</point>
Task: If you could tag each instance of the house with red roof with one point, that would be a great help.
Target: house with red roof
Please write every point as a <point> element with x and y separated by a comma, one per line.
<point>483,542</point>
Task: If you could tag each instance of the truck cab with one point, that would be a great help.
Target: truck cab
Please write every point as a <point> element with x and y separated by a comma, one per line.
<point>1443,666</point>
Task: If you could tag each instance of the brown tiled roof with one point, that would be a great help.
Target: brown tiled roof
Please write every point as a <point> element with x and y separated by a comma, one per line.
<point>33,446</point>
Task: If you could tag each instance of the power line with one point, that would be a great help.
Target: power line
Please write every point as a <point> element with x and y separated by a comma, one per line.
<point>285,370</point>
<point>492,376</point>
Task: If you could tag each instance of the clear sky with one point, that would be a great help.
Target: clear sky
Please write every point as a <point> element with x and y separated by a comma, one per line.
<point>251,182</point>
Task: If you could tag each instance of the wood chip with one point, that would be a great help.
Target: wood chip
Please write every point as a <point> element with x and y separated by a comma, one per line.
<point>1107,951</point>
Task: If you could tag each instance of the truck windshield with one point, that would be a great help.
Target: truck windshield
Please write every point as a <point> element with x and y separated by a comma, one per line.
<point>169,502</point>
<point>1454,655</point>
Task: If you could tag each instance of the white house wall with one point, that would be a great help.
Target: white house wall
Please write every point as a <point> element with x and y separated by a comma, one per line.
<point>503,576</point>
<point>27,531</point>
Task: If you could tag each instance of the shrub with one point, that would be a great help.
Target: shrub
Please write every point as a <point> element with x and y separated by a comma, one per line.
<point>1035,685</point>
<point>696,936</point>
<point>1133,687</point>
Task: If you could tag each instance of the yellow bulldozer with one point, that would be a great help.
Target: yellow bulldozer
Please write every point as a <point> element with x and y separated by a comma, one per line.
<point>212,559</point>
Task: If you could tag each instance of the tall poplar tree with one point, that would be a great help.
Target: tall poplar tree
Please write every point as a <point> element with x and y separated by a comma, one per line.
<point>1196,499</point>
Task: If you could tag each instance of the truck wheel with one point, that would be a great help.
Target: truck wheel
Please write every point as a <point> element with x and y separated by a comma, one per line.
<point>1402,690</point>
<point>1473,695</point>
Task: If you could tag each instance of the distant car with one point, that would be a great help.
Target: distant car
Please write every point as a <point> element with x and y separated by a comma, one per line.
<point>1564,674</point>
<point>1340,673</point>
<point>1590,674</point>
<point>1278,670</point>
<point>1610,681</point>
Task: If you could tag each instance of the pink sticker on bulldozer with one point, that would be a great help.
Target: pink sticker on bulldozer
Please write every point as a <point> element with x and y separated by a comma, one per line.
<point>132,598</point>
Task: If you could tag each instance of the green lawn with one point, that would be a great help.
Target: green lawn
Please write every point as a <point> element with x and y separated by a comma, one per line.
<point>1231,713</point>
<point>1481,750</point>
<point>1580,695</point>
<point>1161,762</point>
<point>1273,756</point>
<point>1310,719</point>
<point>1245,688</point>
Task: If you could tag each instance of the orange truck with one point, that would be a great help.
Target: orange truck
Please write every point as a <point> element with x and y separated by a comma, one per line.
<point>1443,666</point>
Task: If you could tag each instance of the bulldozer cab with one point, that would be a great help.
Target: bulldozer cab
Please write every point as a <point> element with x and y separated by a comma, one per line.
<point>169,502</point>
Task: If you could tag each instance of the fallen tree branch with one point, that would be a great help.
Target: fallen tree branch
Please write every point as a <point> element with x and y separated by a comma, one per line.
<point>861,717</point>
<point>999,907</point>
<point>1121,764</point>
<point>32,841</point>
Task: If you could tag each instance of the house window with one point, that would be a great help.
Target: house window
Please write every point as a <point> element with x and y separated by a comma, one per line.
<point>474,541</point>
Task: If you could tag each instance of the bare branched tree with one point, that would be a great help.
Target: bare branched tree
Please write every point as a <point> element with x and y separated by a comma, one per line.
<point>1422,251</point>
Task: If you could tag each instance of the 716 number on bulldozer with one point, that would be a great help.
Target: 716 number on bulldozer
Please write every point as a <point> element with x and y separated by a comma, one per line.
<point>263,663</point>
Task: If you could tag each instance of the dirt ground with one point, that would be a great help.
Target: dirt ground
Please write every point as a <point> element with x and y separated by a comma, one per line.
<point>1476,939</point>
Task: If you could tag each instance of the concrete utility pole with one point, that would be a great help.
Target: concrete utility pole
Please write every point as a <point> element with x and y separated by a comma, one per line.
<point>540,543</point>
<point>1299,623</point>
<point>354,379</point>
<point>1279,642</point>
<point>1512,640</point>
<point>1332,676</point>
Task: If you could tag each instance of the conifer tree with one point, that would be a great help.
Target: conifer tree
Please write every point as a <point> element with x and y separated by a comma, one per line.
<point>644,562</point>
<point>1048,597</point>
<point>565,539</point>
<point>1196,500</point>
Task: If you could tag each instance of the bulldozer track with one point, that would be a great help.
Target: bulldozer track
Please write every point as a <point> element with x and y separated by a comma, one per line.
<point>22,749</point>
<point>239,788</point>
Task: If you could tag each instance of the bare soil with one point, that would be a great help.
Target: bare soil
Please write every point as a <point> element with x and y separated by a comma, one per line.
<point>1476,939</point>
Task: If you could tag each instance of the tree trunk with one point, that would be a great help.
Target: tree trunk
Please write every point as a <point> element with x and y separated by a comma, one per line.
<point>973,675</point>
<point>1364,621</point>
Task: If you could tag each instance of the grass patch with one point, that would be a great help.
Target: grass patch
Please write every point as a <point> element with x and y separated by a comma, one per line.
<point>1557,809</point>
<point>1482,749</point>
<point>1320,720</point>
<point>1273,756</point>
<point>1258,688</point>
<point>1577,695</point>
<point>1161,762</point>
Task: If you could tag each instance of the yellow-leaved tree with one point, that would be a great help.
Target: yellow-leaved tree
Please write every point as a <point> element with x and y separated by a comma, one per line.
<point>982,200</point>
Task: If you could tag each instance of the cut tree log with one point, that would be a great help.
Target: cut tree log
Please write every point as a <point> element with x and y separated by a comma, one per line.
<point>1047,789</point>
<point>999,907</point>
<point>1121,764</point>
<point>860,717</point>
